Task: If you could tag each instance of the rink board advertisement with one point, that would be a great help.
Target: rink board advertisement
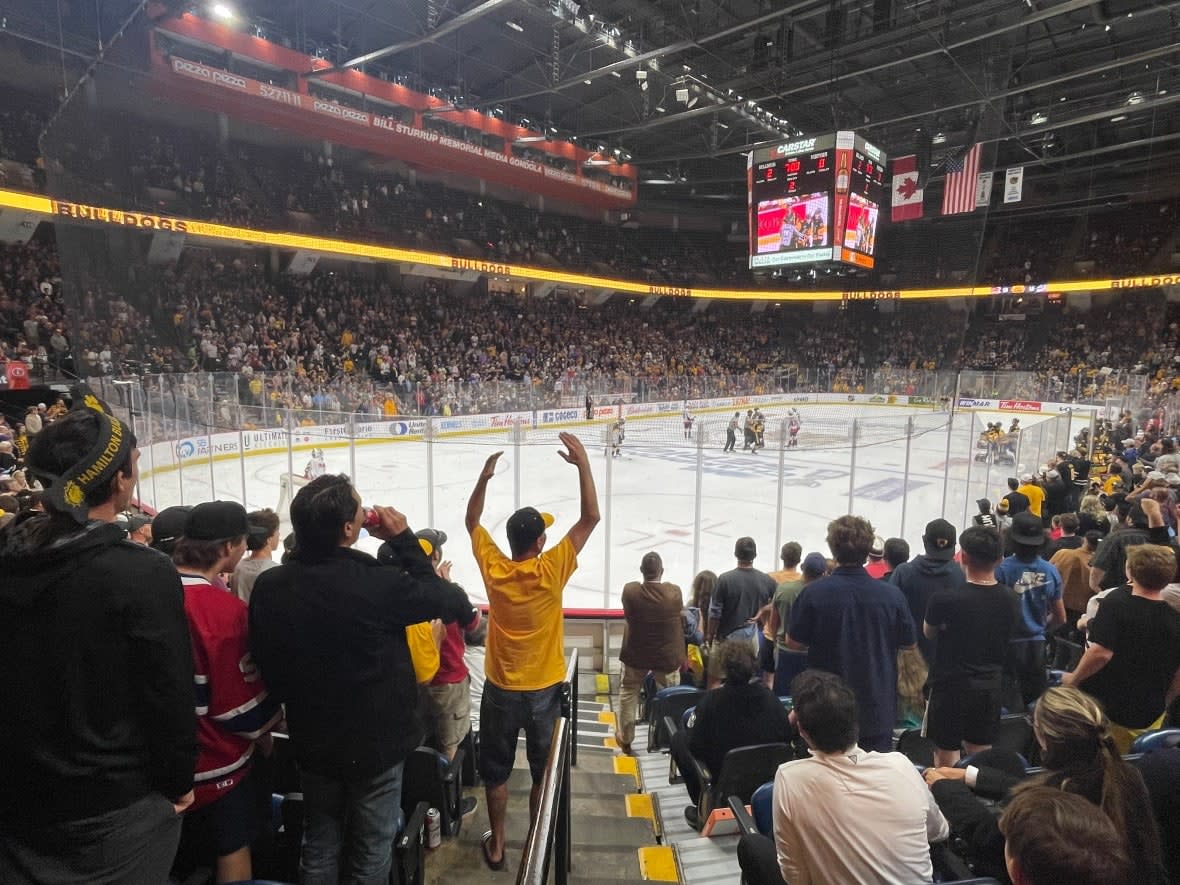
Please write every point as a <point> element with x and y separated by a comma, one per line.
<point>168,455</point>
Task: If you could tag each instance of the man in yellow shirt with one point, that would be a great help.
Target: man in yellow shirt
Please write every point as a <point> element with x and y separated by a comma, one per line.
<point>1032,491</point>
<point>525,661</point>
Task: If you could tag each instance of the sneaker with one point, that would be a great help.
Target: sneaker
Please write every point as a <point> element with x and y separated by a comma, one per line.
<point>468,805</point>
<point>690,815</point>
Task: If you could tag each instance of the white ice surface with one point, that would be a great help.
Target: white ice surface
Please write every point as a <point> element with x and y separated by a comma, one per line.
<point>649,496</point>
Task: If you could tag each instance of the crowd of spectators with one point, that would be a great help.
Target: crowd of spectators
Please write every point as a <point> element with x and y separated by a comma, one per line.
<point>352,342</point>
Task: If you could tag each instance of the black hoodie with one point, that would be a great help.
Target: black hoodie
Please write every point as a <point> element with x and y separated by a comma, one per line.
<point>96,674</point>
<point>917,580</point>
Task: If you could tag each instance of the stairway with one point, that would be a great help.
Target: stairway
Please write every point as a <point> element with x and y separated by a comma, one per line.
<point>612,822</point>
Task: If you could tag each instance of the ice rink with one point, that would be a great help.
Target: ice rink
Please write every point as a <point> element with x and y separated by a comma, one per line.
<point>654,497</point>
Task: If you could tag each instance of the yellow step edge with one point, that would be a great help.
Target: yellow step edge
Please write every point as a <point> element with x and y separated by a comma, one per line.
<point>627,765</point>
<point>602,699</point>
<point>602,683</point>
<point>640,805</point>
<point>657,863</point>
<point>606,716</point>
<point>610,743</point>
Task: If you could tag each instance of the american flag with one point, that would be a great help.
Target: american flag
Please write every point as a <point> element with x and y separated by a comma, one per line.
<point>962,170</point>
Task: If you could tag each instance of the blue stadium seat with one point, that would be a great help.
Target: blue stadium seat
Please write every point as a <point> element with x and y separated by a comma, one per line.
<point>670,702</point>
<point>762,804</point>
<point>1159,739</point>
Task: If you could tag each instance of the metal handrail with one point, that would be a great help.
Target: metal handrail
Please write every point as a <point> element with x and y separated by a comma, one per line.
<point>551,834</point>
<point>569,703</point>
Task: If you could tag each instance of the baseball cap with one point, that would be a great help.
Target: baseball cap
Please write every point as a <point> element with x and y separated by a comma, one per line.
<point>168,526</point>
<point>1027,529</point>
<point>878,548</point>
<point>939,539</point>
<point>1002,506</point>
<point>217,521</point>
<point>745,549</point>
<point>814,565</point>
<point>131,522</point>
<point>1129,441</point>
<point>526,525</point>
<point>1173,479</point>
<point>432,538</point>
<point>1155,476</point>
<point>1026,478</point>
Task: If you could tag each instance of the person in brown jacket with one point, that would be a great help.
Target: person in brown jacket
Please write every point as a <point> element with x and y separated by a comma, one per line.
<point>1074,566</point>
<point>653,641</point>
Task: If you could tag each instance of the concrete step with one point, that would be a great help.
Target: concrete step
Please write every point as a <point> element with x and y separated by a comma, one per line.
<point>599,783</point>
<point>459,860</point>
<point>598,829</point>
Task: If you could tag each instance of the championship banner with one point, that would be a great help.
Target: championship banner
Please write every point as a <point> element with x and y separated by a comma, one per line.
<point>983,189</point>
<point>1014,184</point>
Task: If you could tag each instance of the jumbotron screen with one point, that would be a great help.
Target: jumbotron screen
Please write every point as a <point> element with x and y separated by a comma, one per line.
<point>816,199</point>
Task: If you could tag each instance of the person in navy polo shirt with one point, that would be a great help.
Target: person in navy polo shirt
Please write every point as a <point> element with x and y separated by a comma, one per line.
<point>853,625</point>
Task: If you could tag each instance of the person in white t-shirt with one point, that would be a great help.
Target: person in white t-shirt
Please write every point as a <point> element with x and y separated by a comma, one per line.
<point>844,814</point>
<point>262,542</point>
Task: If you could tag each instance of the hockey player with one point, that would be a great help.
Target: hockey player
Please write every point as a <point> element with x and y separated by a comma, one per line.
<point>617,434</point>
<point>688,419</point>
<point>794,423</point>
<point>317,466</point>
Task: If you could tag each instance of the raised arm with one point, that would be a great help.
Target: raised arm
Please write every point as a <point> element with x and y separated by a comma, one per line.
<point>579,533</point>
<point>475,502</point>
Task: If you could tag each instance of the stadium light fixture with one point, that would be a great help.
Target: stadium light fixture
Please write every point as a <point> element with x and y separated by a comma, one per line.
<point>223,12</point>
<point>515,25</point>
<point>1039,118</point>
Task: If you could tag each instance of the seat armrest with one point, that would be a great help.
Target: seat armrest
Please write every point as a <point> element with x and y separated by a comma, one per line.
<point>744,821</point>
<point>455,767</point>
<point>671,726</point>
<point>413,829</point>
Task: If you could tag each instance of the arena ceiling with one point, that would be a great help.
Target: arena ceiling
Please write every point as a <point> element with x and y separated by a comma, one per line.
<point>1084,94</point>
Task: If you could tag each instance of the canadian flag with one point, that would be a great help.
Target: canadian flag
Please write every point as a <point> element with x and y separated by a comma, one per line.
<point>907,195</point>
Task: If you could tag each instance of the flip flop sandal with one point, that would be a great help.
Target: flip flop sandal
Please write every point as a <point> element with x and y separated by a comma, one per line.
<point>493,865</point>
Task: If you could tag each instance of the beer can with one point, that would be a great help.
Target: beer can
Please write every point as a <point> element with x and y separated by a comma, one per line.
<point>433,828</point>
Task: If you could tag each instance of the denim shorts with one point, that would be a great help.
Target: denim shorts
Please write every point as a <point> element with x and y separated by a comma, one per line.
<point>502,714</point>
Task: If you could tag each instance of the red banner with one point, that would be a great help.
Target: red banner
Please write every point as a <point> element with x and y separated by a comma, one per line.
<point>1019,405</point>
<point>14,375</point>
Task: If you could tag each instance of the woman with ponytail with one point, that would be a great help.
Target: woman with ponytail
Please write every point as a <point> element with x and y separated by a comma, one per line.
<point>1080,756</point>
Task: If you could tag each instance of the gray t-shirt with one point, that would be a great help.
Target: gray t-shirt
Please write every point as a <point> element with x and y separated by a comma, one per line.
<point>246,573</point>
<point>739,594</point>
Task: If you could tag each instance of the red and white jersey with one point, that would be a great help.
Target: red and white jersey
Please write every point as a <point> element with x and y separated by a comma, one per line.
<point>232,704</point>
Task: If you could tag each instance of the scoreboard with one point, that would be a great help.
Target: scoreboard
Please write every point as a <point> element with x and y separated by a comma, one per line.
<point>815,199</point>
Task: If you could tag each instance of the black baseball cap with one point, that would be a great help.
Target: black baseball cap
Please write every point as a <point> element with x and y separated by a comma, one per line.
<point>217,521</point>
<point>939,539</point>
<point>526,525</point>
<point>168,526</point>
<point>1027,529</point>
